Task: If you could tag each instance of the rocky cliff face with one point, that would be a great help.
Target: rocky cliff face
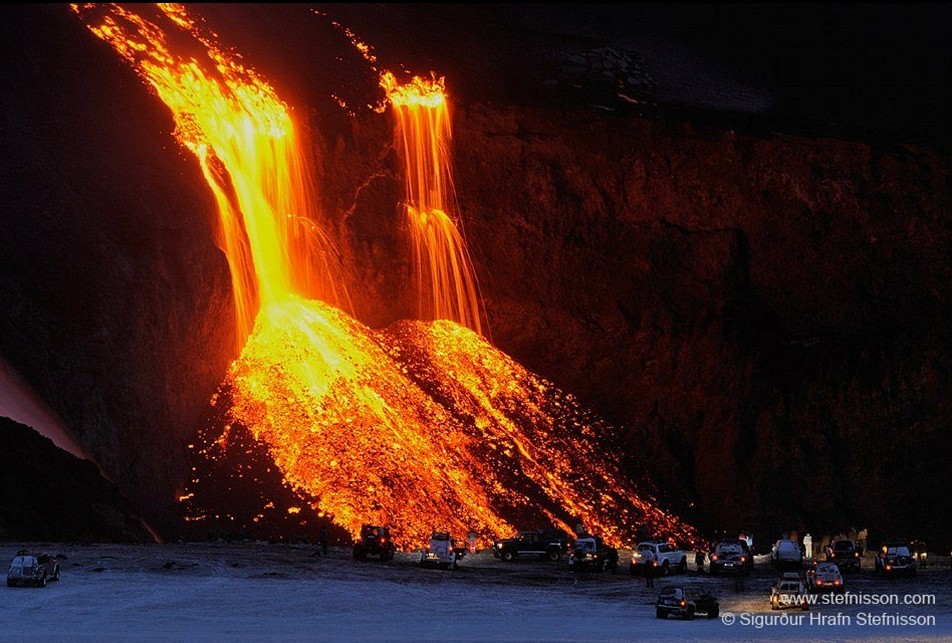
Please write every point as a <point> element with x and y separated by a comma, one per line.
<point>768,315</point>
<point>49,494</point>
<point>116,304</point>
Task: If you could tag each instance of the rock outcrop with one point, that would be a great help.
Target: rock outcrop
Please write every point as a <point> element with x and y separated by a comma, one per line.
<point>51,495</point>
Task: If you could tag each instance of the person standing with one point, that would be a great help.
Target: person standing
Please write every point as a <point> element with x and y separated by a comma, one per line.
<point>861,540</point>
<point>650,565</point>
<point>808,545</point>
<point>323,542</point>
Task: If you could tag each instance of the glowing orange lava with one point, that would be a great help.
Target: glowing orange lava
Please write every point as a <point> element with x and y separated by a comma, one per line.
<point>446,284</point>
<point>248,148</point>
<point>421,426</point>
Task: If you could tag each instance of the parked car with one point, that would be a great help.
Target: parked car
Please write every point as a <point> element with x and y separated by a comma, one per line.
<point>845,554</point>
<point>789,591</point>
<point>666,558</point>
<point>36,569</point>
<point>374,541</point>
<point>442,551</point>
<point>591,553</point>
<point>786,554</point>
<point>546,543</point>
<point>825,577</point>
<point>731,557</point>
<point>674,601</point>
<point>895,559</point>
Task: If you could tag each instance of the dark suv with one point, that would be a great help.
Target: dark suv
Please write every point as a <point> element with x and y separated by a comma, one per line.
<point>545,543</point>
<point>845,554</point>
<point>32,570</point>
<point>731,556</point>
<point>895,559</point>
<point>592,554</point>
<point>374,541</point>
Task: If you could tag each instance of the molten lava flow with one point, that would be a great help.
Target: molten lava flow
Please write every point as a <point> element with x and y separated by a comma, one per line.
<point>446,285</point>
<point>424,425</point>
<point>421,426</point>
<point>248,149</point>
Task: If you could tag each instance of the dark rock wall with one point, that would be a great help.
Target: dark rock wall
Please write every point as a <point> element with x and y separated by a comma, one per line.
<point>49,494</point>
<point>769,315</point>
<point>116,303</point>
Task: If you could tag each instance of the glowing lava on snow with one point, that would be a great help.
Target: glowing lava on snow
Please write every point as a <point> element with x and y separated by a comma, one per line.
<point>445,280</point>
<point>423,425</point>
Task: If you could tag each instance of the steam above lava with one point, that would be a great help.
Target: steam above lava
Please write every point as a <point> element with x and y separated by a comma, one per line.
<point>423,425</point>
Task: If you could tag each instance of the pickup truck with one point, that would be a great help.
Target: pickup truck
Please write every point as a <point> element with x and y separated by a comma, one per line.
<point>664,557</point>
<point>545,543</point>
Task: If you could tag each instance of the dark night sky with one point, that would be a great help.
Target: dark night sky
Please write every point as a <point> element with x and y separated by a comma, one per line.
<point>867,71</point>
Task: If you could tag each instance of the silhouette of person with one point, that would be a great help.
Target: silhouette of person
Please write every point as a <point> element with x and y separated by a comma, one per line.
<point>323,542</point>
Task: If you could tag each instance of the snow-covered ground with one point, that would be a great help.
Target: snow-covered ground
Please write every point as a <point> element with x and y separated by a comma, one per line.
<point>255,592</point>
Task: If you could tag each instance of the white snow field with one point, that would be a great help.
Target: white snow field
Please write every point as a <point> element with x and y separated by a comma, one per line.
<point>280,592</point>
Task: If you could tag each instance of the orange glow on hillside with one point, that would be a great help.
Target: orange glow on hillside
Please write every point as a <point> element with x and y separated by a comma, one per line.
<point>247,145</point>
<point>446,284</point>
<point>424,425</point>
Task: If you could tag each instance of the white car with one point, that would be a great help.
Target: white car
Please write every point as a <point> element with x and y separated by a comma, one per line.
<point>786,554</point>
<point>663,557</point>
<point>442,551</point>
<point>826,577</point>
<point>789,591</point>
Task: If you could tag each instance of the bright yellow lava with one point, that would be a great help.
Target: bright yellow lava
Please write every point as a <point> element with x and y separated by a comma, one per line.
<point>248,148</point>
<point>421,426</point>
<point>446,283</point>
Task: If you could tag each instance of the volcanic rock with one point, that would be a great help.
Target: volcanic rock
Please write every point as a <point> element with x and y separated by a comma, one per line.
<point>51,495</point>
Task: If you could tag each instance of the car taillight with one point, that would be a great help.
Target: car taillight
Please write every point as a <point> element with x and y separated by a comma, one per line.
<point>832,554</point>
<point>713,556</point>
<point>888,567</point>
<point>819,582</point>
<point>743,559</point>
<point>856,554</point>
<point>836,582</point>
<point>682,603</point>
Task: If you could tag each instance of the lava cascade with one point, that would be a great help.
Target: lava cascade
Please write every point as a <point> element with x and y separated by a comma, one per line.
<point>422,425</point>
<point>247,145</point>
<point>446,283</point>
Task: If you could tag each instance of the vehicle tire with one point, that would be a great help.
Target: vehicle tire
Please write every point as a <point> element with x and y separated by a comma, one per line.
<point>613,566</point>
<point>689,614</point>
<point>11,583</point>
<point>714,613</point>
<point>43,582</point>
<point>683,565</point>
<point>508,556</point>
<point>554,555</point>
<point>659,613</point>
<point>56,573</point>
<point>665,568</point>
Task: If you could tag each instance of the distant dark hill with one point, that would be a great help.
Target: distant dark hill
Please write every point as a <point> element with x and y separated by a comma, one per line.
<point>51,495</point>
